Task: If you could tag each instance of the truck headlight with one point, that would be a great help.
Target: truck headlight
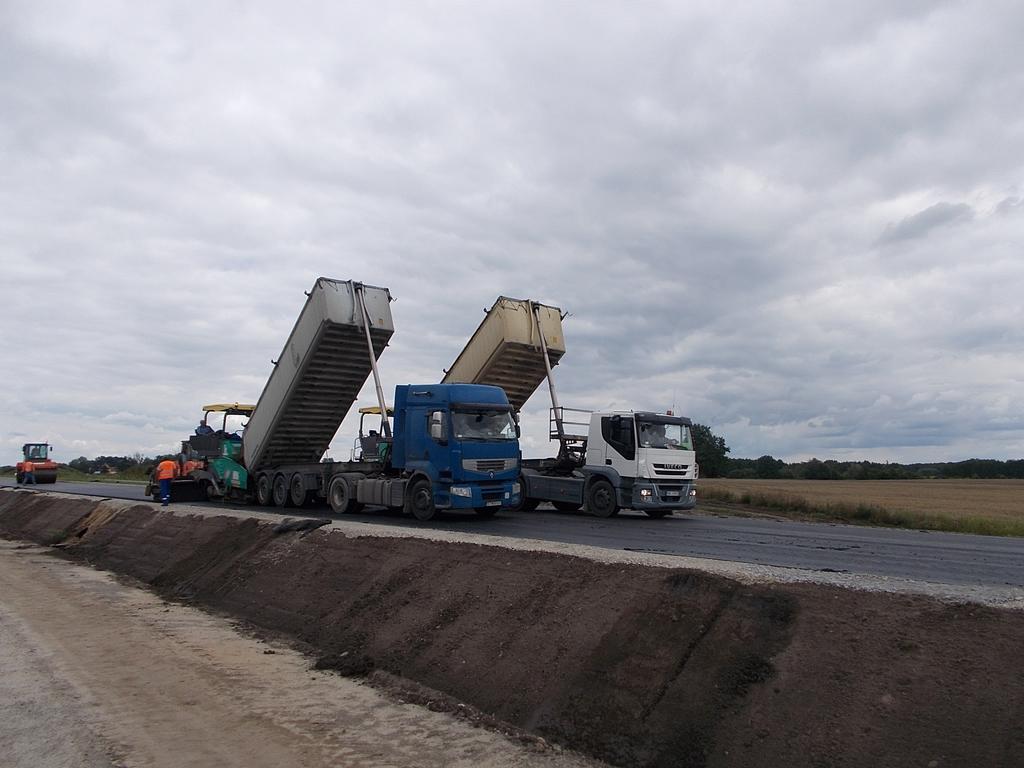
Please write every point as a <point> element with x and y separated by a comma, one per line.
<point>461,490</point>
<point>515,489</point>
<point>645,493</point>
<point>693,491</point>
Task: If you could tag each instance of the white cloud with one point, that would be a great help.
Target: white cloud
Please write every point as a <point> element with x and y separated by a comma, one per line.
<point>798,223</point>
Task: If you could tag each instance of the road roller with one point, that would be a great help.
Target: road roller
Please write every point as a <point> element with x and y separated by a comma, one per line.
<point>44,470</point>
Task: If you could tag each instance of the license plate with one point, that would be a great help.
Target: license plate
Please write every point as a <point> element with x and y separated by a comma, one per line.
<point>493,503</point>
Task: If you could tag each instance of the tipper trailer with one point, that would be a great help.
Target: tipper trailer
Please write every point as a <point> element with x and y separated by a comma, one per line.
<point>606,461</point>
<point>451,446</point>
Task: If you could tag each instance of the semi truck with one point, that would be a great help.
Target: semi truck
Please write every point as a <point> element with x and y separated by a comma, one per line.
<point>445,446</point>
<point>607,461</point>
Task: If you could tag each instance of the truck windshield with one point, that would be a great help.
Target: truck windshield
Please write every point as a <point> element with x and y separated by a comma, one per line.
<point>483,425</point>
<point>673,436</point>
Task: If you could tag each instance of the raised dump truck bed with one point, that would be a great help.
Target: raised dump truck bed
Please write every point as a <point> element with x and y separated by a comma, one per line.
<point>318,374</point>
<point>505,351</point>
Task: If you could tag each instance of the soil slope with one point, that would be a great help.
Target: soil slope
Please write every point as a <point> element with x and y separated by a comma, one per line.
<point>634,665</point>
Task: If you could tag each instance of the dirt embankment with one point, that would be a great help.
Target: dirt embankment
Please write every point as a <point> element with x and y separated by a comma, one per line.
<point>635,665</point>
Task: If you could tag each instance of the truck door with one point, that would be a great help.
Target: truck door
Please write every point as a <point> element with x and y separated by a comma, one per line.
<point>619,437</point>
<point>428,449</point>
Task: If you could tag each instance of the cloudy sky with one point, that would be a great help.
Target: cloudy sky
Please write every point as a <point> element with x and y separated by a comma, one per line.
<point>801,223</point>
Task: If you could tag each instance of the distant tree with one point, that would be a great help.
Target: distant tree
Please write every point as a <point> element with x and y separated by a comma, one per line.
<point>711,451</point>
<point>740,468</point>
<point>858,470</point>
<point>817,470</point>
<point>768,467</point>
<point>82,464</point>
<point>830,469</point>
<point>741,472</point>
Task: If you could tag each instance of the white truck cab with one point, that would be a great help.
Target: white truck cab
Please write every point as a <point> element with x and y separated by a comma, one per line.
<point>647,459</point>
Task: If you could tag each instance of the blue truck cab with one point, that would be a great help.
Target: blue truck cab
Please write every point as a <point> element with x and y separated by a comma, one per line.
<point>458,445</point>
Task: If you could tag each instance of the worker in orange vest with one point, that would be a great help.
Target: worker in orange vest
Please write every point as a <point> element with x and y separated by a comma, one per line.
<point>28,473</point>
<point>166,471</point>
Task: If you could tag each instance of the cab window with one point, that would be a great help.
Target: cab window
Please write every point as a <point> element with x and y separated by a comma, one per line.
<point>617,431</point>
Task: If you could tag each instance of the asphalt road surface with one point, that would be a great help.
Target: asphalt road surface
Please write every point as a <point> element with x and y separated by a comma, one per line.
<point>103,490</point>
<point>941,558</point>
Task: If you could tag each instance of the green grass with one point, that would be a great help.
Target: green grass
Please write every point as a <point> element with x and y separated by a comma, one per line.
<point>866,514</point>
<point>133,476</point>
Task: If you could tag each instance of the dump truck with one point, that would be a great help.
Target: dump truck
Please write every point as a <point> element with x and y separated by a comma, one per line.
<point>44,470</point>
<point>439,447</point>
<point>608,460</point>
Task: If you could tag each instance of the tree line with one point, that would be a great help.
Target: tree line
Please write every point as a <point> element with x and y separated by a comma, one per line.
<point>118,464</point>
<point>712,456</point>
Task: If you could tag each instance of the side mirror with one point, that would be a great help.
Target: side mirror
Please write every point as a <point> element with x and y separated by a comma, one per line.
<point>519,432</point>
<point>436,427</point>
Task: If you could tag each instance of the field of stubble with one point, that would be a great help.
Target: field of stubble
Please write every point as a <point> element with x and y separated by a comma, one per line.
<point>993,507</point>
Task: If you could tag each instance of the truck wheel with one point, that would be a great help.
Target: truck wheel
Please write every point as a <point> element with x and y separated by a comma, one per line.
<point>524,504</point>
<point>419,500</point>
<point>601,499</point>
<point>657,512</point>
<point>297,491</point>
<point>18,477</point>
<point>264,491</point>
<point>566,506</point>
<point>282,498</point>
<point>341,498</point>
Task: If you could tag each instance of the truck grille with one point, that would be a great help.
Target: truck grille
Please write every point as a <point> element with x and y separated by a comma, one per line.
<point>671,470</point>
<point>488,465</point>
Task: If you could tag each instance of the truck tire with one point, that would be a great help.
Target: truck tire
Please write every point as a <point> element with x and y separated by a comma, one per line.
<point>601,501</point>
<point>566,506</point>
<point>524,504</point>
<point>341,497</point>
<point>297,491</point>
<point>419,500</point>
<point>282,498</point>
<point>264,490</point>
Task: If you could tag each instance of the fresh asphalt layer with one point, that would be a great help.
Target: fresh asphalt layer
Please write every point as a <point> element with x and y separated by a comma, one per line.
<point>944,558</point>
